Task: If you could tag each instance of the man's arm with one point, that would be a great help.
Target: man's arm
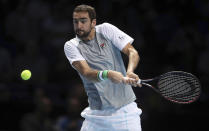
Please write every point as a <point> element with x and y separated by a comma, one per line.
<point>134,58</point>
<point>83,68</point>
<point>91,74</point>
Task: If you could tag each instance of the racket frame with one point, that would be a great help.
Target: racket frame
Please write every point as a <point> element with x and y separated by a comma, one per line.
<point>145,82</point>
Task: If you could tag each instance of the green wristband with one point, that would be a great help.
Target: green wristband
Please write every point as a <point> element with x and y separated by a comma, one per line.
<point>104,74</point>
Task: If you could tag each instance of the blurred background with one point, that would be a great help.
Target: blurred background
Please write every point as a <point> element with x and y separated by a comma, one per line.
<point>169,35</point>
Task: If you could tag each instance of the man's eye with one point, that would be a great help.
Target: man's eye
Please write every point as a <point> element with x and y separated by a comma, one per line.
<point>80,20</point>
<point>83,21</point>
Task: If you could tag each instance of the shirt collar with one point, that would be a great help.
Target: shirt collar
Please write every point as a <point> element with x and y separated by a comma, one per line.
<point>78,39</point>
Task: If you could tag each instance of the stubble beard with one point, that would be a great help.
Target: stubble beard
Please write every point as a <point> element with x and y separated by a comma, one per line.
<point>84,35</point>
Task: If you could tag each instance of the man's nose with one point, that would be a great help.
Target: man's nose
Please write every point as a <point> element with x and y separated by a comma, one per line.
<point>79,25</point>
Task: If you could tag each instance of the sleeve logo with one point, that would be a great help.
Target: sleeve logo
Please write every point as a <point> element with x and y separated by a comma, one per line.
<point>121,37</point>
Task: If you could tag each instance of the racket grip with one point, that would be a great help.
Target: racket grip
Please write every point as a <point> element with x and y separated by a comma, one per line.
<point>139,81</point>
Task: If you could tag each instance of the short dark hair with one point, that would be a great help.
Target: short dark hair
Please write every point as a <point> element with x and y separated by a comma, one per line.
<point>86,8</point>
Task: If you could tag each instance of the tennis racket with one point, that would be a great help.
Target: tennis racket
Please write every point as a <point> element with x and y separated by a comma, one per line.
<point>175,86</point>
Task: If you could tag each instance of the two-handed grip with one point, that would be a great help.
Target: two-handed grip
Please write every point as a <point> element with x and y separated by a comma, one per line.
<point>138,82</point>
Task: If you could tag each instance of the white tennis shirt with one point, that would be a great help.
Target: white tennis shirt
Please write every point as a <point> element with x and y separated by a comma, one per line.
<point>103,53</point>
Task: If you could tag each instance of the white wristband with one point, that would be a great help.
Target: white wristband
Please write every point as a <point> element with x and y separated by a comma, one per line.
<point>100,75</point>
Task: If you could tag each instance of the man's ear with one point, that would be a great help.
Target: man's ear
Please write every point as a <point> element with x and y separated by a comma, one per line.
<point>93,23</point>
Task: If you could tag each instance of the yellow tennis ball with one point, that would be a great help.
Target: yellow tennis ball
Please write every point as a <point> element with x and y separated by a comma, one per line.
<point>26,74</point>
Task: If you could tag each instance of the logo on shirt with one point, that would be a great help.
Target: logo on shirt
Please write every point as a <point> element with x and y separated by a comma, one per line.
<point>121,37</point>
<point>102,45</point>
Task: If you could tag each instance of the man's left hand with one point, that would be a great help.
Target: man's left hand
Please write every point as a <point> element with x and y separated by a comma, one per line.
<point>134,79</point>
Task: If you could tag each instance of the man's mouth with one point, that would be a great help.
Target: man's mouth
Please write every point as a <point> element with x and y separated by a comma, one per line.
<point>79,31</point>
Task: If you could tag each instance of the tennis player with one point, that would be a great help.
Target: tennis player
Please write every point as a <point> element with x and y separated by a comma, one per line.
<point>95,53</point>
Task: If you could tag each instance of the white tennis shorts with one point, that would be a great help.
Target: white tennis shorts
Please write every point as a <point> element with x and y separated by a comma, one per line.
<point>126,118</point>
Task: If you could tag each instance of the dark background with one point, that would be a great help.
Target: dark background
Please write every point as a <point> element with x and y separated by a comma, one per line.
<point>169,35</point>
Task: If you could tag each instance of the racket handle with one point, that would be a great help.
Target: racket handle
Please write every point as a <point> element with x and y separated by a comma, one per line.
<point>139,81</point>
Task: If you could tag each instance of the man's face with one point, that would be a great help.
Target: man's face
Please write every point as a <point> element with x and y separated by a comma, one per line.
<point>82,24</point>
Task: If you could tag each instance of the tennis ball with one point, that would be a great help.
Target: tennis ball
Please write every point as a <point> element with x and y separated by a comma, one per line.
<point>26,74</point>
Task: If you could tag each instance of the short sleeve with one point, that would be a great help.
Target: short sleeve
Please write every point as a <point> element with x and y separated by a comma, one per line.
<point>72,53</point>
<point>118,37</point>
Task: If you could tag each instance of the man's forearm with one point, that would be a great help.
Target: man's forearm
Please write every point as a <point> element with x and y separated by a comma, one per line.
<point>83,68</point>
<point>97,75</point>
<point>133,60</point>
<point>91,75</point>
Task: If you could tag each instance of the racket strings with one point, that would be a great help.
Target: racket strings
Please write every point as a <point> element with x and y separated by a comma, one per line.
<point>176,80</point>
<point>183,97</point>
<point>172,85</point>
<point>169,83</point>
<point>179,93</point>
<point>179,87</point>
<point>176,90</point>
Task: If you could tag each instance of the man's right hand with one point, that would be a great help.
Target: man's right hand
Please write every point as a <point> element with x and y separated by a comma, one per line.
<point>115,76</point>
<point>118,77</point>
